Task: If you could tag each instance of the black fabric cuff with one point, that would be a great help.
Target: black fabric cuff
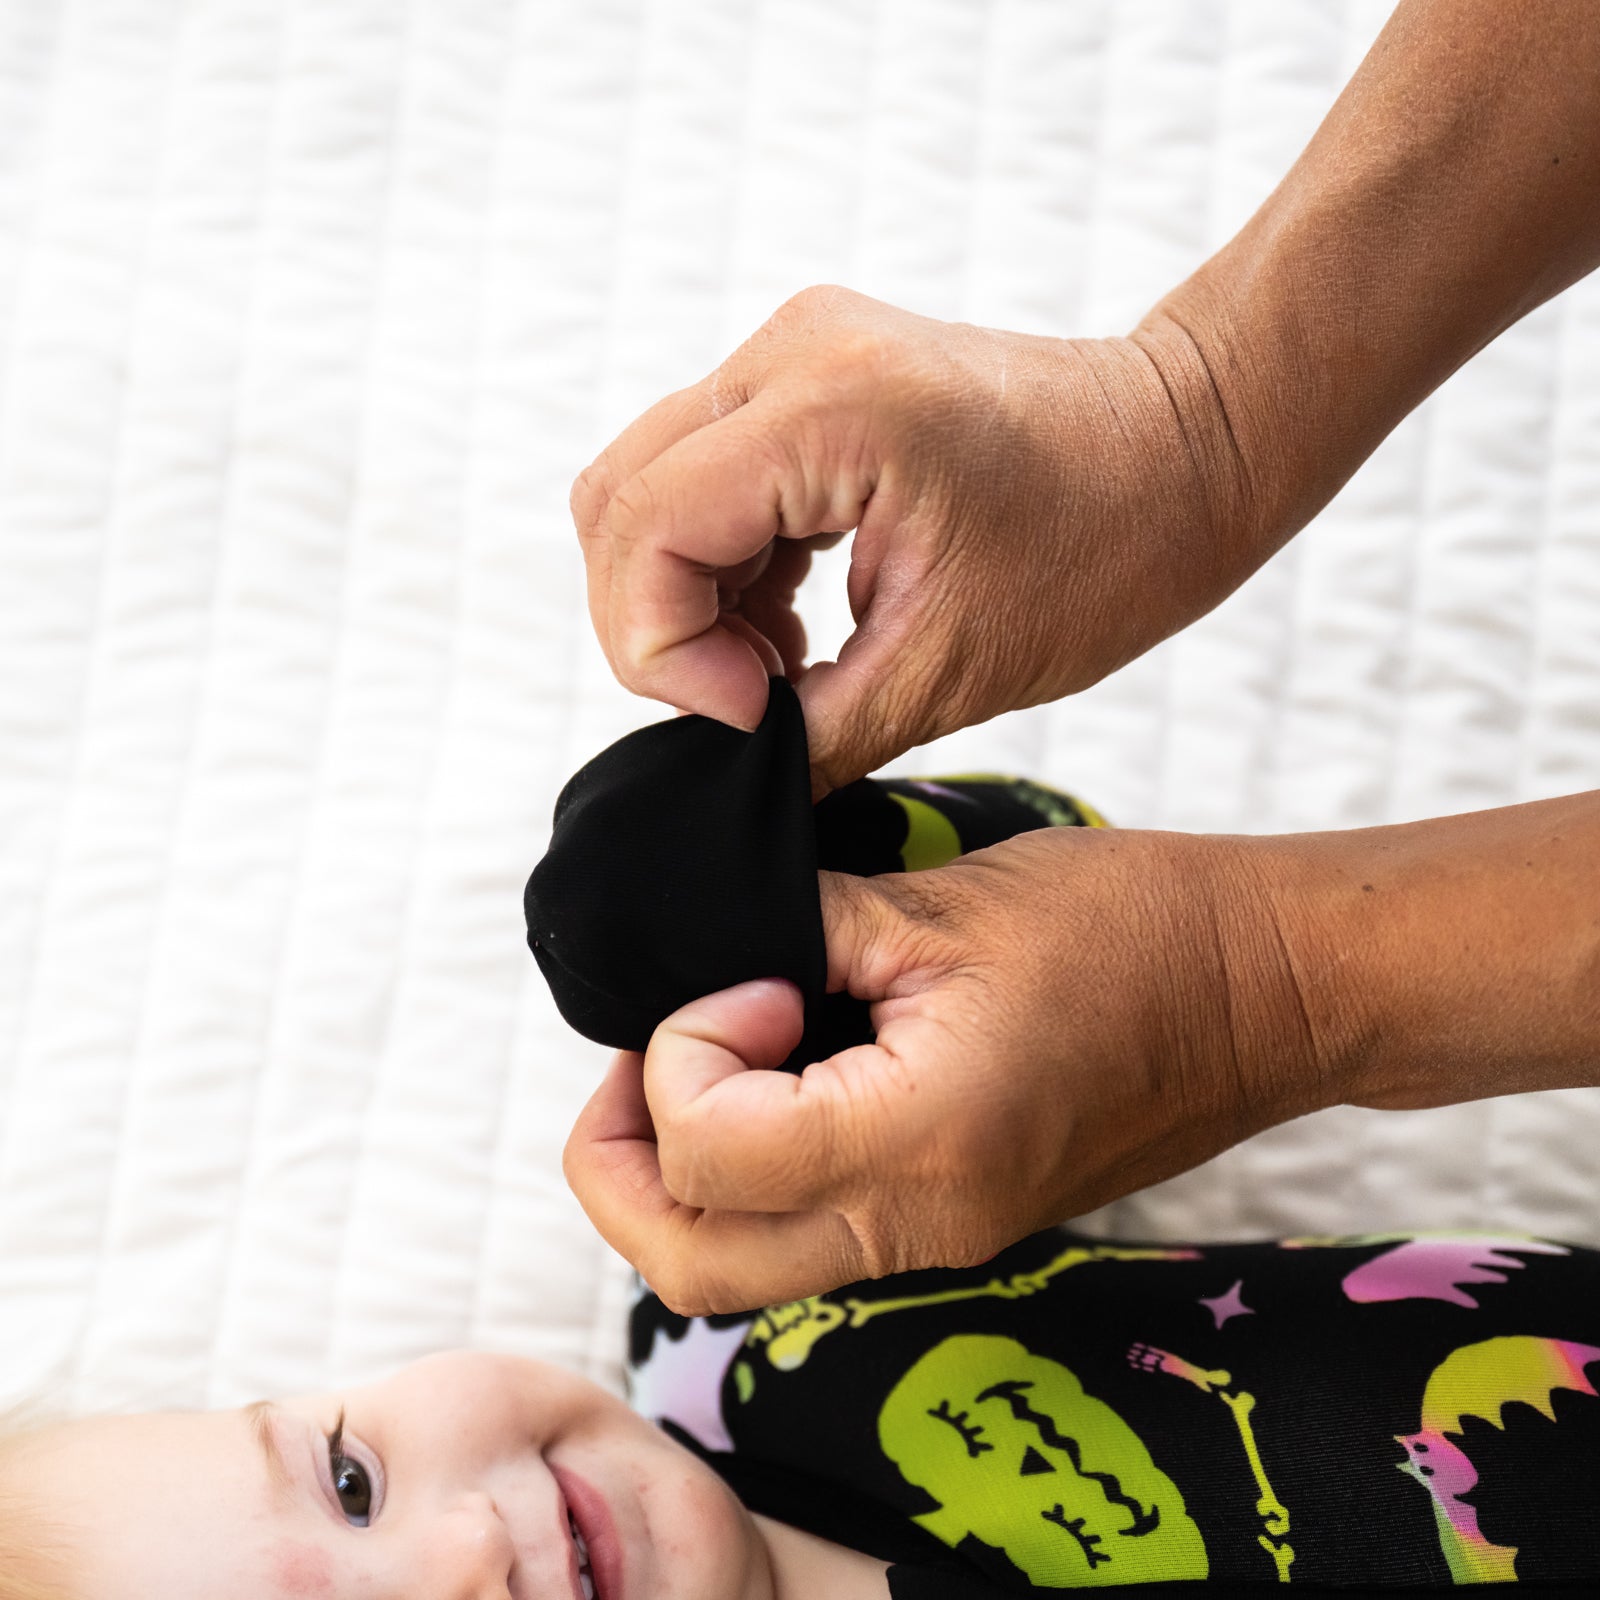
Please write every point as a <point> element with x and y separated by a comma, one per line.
<point>683,861</point>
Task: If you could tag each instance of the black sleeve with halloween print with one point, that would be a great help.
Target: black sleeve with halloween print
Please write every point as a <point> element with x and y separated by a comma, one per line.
<point>1372,1413</point>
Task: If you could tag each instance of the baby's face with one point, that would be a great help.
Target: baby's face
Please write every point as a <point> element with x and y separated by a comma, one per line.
<point>462,1477</point>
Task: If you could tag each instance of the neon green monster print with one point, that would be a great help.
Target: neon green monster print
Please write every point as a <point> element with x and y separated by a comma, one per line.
<point>1272,1511</point>
<point>1018,1456</point>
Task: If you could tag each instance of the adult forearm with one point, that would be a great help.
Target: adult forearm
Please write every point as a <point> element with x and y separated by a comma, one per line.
<point>1446,960</point>
<point>1454,186</point>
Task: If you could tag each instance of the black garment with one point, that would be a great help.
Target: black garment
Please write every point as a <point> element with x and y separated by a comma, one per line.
<point>1364,1415</point>
<point>684,860</point>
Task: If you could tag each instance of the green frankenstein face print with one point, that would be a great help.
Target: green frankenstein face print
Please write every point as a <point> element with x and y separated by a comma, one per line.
<point>1020,1457</point>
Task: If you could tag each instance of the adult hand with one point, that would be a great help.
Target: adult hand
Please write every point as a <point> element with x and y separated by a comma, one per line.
<point>1031,513</point>
<point>1061,1019</point>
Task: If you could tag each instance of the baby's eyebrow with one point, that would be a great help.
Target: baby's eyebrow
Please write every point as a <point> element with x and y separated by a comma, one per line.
<point>260,1416</point>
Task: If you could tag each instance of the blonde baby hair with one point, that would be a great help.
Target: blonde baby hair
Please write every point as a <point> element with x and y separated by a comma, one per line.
<point>34,1553</point>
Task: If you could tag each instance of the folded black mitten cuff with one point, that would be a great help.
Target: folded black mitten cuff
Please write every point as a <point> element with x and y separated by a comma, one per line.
<point>684,860</point>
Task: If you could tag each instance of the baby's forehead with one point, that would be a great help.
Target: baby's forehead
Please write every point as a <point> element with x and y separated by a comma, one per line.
<point>60,1483</point>
<point>76,1457</point>
<point>169,1503</point>
<point>144,1458</point>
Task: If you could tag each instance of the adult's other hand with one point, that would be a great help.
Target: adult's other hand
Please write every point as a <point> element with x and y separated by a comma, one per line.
<point>1074,1014</point>
<point>1031,513</point>
<point>1061,1019</point>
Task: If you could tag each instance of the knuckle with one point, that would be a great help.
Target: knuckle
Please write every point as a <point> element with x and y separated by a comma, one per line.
<point>969,1248</point>
<point>924,688</point>
<point>591,489</point>
<point>864,352</point>
<point>632,509</point>
<point>690,1303</point>
<point>670,1117</point>
<point>682,1167</point>
<point>898,925</point>
<point>816,303</point>
<point>843,329</point>
<point>668,1281</point>
<point>879,1248</point>
<point>716,1293</point>
<point>846,1261</point>
<point>803,1170</point>
<point>968,1243</point>
<point>933,1232</point>
<point>847,1148</point>
<point>678,1296</point>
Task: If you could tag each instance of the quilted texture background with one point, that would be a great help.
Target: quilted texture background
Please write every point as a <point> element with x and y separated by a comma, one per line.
<point>309,312</point>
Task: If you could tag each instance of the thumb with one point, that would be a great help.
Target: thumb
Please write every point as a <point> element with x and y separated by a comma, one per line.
<point>847,735</point>
<point>890,688</point>
<point>885,937</point>
<point>732,1138</point>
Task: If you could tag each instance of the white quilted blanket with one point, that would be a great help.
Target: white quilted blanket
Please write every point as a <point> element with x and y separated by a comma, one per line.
<point>309,312</point>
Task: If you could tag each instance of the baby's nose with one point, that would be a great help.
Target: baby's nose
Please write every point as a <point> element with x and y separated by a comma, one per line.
<point>477,1552</point>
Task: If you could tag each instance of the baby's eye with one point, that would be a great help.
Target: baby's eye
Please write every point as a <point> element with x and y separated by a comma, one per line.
<point>352,1484</point>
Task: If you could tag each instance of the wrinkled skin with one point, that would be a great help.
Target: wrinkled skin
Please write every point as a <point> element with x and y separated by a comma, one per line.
<point>1032,514</point>
<point>1053,1030</point>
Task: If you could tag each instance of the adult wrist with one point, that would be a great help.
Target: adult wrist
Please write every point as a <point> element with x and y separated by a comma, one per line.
<point>1299,422</point>
<point>1333,943</point>
<point>1450,190</point>
<point>1446,960</point>
<point>1235,480</point>
<point>1289,1039</point>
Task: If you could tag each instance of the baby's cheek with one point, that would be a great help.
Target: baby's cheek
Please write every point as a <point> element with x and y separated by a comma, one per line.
<point>302,1571</point>
<point>707,1544</point>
